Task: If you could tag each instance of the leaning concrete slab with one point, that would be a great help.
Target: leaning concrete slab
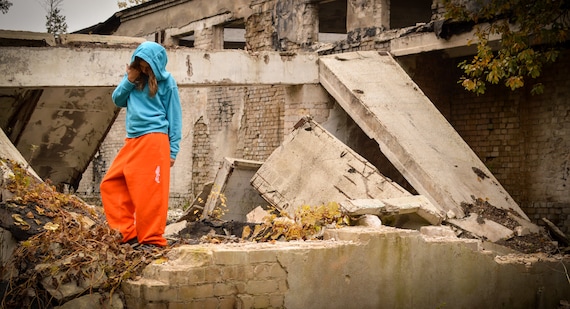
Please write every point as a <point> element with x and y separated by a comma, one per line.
<point>386,103</point>
<point>9,152</point>
<point>312,167</point>
<point>232,185</point>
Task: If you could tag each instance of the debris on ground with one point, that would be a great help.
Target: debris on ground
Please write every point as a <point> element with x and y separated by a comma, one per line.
<point>66,252</point>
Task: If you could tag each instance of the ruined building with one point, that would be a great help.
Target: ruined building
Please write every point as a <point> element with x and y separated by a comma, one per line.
<point>522,139</point>
<point>378,76</point>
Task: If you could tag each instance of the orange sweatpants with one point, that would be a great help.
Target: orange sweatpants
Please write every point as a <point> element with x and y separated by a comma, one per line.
<point>135,189</point>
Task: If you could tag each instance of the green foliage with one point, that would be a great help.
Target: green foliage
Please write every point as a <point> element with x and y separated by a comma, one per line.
<point>55,23</point>
<point>531,32</point>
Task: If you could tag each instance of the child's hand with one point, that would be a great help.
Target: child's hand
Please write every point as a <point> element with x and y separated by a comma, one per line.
<point>132,73</point>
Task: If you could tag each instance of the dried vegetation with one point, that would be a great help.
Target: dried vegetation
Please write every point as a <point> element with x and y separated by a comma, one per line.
<point>63,242</point>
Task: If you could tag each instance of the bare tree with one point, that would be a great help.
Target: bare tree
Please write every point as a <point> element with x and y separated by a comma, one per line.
<point>55,21</point>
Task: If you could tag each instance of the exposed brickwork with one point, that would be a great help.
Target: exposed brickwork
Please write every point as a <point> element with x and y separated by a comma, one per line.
<point>262,122</point>
<point>523,139</point>
<point>220,279</point>
<point>201,156</point>
<point>208,38</point>
<point>303,100</point>
<point>259,28</point>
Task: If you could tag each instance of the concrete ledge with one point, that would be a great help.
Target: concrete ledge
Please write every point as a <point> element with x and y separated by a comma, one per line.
<point>66,39</point>
<point>27,38</point>
<point>354,268</point>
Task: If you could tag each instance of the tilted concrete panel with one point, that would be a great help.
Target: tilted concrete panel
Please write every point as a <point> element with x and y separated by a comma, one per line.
<point>312,167</point>
<point>232,190</point>
<point>390,108</point>
<point>65,130</point>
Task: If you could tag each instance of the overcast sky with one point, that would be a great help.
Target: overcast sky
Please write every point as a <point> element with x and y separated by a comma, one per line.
<point>29,15</point>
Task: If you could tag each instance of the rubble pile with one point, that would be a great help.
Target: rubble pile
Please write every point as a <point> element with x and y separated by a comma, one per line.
<point>65,251</point>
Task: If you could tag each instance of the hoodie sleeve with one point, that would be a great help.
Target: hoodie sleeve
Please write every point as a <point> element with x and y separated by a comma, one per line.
<point>121,93</point>
<point>174,116</point>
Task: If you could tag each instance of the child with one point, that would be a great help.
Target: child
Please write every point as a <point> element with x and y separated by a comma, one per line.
<point>135,189</point>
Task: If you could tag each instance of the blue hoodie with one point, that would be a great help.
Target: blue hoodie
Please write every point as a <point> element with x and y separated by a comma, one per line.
<point>161,113</point>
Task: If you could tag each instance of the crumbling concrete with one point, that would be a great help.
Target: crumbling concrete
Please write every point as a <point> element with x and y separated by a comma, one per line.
<point>385,102</point>
<point>312,167</point>
<point>395,207</point>
<point>353,268</point>
<point>50,112</point>
<point>232,186</point>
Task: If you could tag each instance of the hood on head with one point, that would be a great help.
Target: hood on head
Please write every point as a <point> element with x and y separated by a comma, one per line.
<point>155,55</point>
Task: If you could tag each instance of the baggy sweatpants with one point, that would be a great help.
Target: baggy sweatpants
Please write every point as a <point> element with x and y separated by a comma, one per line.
<point>135,189</point>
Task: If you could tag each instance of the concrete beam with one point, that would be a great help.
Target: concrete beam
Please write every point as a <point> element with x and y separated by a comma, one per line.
<point>92,66</point>
<point>27,38</point>
<point>456,46</point>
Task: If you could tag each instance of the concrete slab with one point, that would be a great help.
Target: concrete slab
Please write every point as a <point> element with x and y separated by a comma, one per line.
<point>417,204</point>
<point>380,267</point>
<point>491,230</point>
<point>312,167</point>
<point>232,184</point>
<point>10,152</point>
<point>61,135</point>
<point>390,108</point>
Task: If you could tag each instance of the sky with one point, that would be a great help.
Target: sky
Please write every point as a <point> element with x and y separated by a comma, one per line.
<point>29,15</point>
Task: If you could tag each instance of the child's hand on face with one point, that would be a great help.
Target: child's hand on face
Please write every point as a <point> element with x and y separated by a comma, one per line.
<point>132,73</point>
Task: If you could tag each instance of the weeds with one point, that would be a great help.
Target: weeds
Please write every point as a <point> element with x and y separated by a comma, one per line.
<point>307,223</point>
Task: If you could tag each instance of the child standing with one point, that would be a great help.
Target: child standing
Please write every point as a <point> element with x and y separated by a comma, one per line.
<point>135,189</point>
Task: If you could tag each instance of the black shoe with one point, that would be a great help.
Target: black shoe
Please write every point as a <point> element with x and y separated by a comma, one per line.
<point>146,247</point>
<point>132,242</point>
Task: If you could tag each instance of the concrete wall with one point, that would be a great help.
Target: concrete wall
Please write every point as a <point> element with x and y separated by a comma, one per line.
<point>353,268</point>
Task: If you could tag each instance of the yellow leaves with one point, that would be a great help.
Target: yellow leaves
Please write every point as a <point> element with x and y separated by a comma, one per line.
<point>160,261</point>
<point>246,232</point>
<point>514,82</point>
<point>40,210</point>
<point>20,222</point>
<point>50,226</point>
<point>307,223</point>
<point>530,32</point>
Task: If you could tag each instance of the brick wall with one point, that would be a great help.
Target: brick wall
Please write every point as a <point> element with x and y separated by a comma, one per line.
<point>523,139</point>
<point>261,129</point>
